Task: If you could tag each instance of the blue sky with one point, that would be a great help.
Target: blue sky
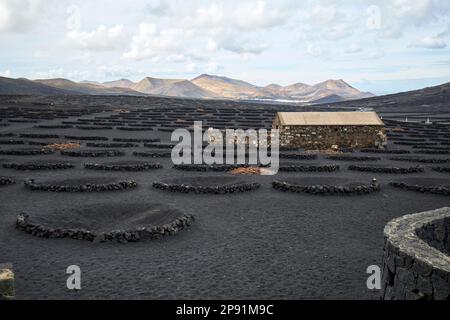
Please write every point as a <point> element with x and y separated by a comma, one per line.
<point>380,46</point>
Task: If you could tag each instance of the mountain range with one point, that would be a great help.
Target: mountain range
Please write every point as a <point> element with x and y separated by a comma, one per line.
<point>202,87</point>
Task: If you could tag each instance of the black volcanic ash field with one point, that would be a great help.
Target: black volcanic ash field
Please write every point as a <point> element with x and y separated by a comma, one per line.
<point>260,244</point>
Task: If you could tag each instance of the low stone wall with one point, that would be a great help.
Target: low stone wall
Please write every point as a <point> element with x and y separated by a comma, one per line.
<point>327,189</point>
<point>391,170</point>
<point>12,142</point>
<point>422,188</point>
<point>297,156</point>
<point>38,166</point>
<point>31,152</point>
<point>123,167</point>
<point>225,189</point>
<point>137,140</point>
<point>420,160</point>
<point>92,153</point>
<point>39,136</point>
<point>324,137</point>
<point>6,181</point>
<point>312,168</point>
<point>416,262</point>
<point>24,224</point>
<point>154,154</point>
<point>6,281</point>
<point>439,152</point>
<point>112,145</point>
<point>206,167</point>
<point>441,169</point>
<point>399,151</point>
<point>352,158</point>
<point>87,138</point>
<point>88,187</point>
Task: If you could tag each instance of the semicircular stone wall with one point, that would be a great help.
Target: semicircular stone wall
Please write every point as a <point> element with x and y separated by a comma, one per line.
<point>416,261</point>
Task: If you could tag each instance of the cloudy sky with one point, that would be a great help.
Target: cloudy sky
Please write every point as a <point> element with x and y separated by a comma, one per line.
<point>380,46</point>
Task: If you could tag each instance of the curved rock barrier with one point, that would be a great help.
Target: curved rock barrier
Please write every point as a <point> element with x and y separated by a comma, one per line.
<point>26,152</point>
<point>63,126</point>
<point>392,170</point>
<point>298,156</point>
<point>94,127</point>
<point>441,169</point>
<point>4,181</point>
<point>39,165</point>
<point>308,168</point>
<point>352,158</point>
<point>131,224</point>
<point>87,138</point>
<point>92,153</point>
<point>420,160</point>
<point>435,186</point>
<point>327,189</point>
<point>207,185</point>
<point>384,151</point>
<point>112,145</point>
<point>123,166</point>
<point>154,154</point>
<point>7,135</point>
<point>206,167</point>
<point>137,140</point>
<point>12,142</point>
<point>416,262</point>
<point>39,136</point>
<point>135,128</point>
<point>80,186</point>
<point>432,151</point>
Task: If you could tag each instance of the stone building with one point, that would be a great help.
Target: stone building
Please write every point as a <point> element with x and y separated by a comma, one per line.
<point>325,130</point>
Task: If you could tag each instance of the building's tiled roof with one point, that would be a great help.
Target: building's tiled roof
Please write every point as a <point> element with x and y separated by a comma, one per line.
<point>329,119</point>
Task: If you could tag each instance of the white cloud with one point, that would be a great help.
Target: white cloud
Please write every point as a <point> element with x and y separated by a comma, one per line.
<point>41,54</point>
<point>323,14</point>
<point>6,74</point>
<point>157,7</point>
<point>102,38</point>
<point>210,67</point>
<point>149,42</point>
<point>353,48</point>
<point>376,54</point>
<point>317,50</point>
<point>20,15</point>
<point>429,43</point>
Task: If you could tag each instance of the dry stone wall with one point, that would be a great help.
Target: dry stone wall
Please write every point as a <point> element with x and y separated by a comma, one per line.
<point>324,137</point>
<point>416,261</point>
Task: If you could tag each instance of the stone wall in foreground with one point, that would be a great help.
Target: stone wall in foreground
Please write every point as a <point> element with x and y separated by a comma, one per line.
<point>416,261</point>
<point>324,137</point>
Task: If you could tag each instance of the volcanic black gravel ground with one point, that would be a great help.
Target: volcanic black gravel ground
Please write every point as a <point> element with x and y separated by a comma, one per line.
<point>263,244</point>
